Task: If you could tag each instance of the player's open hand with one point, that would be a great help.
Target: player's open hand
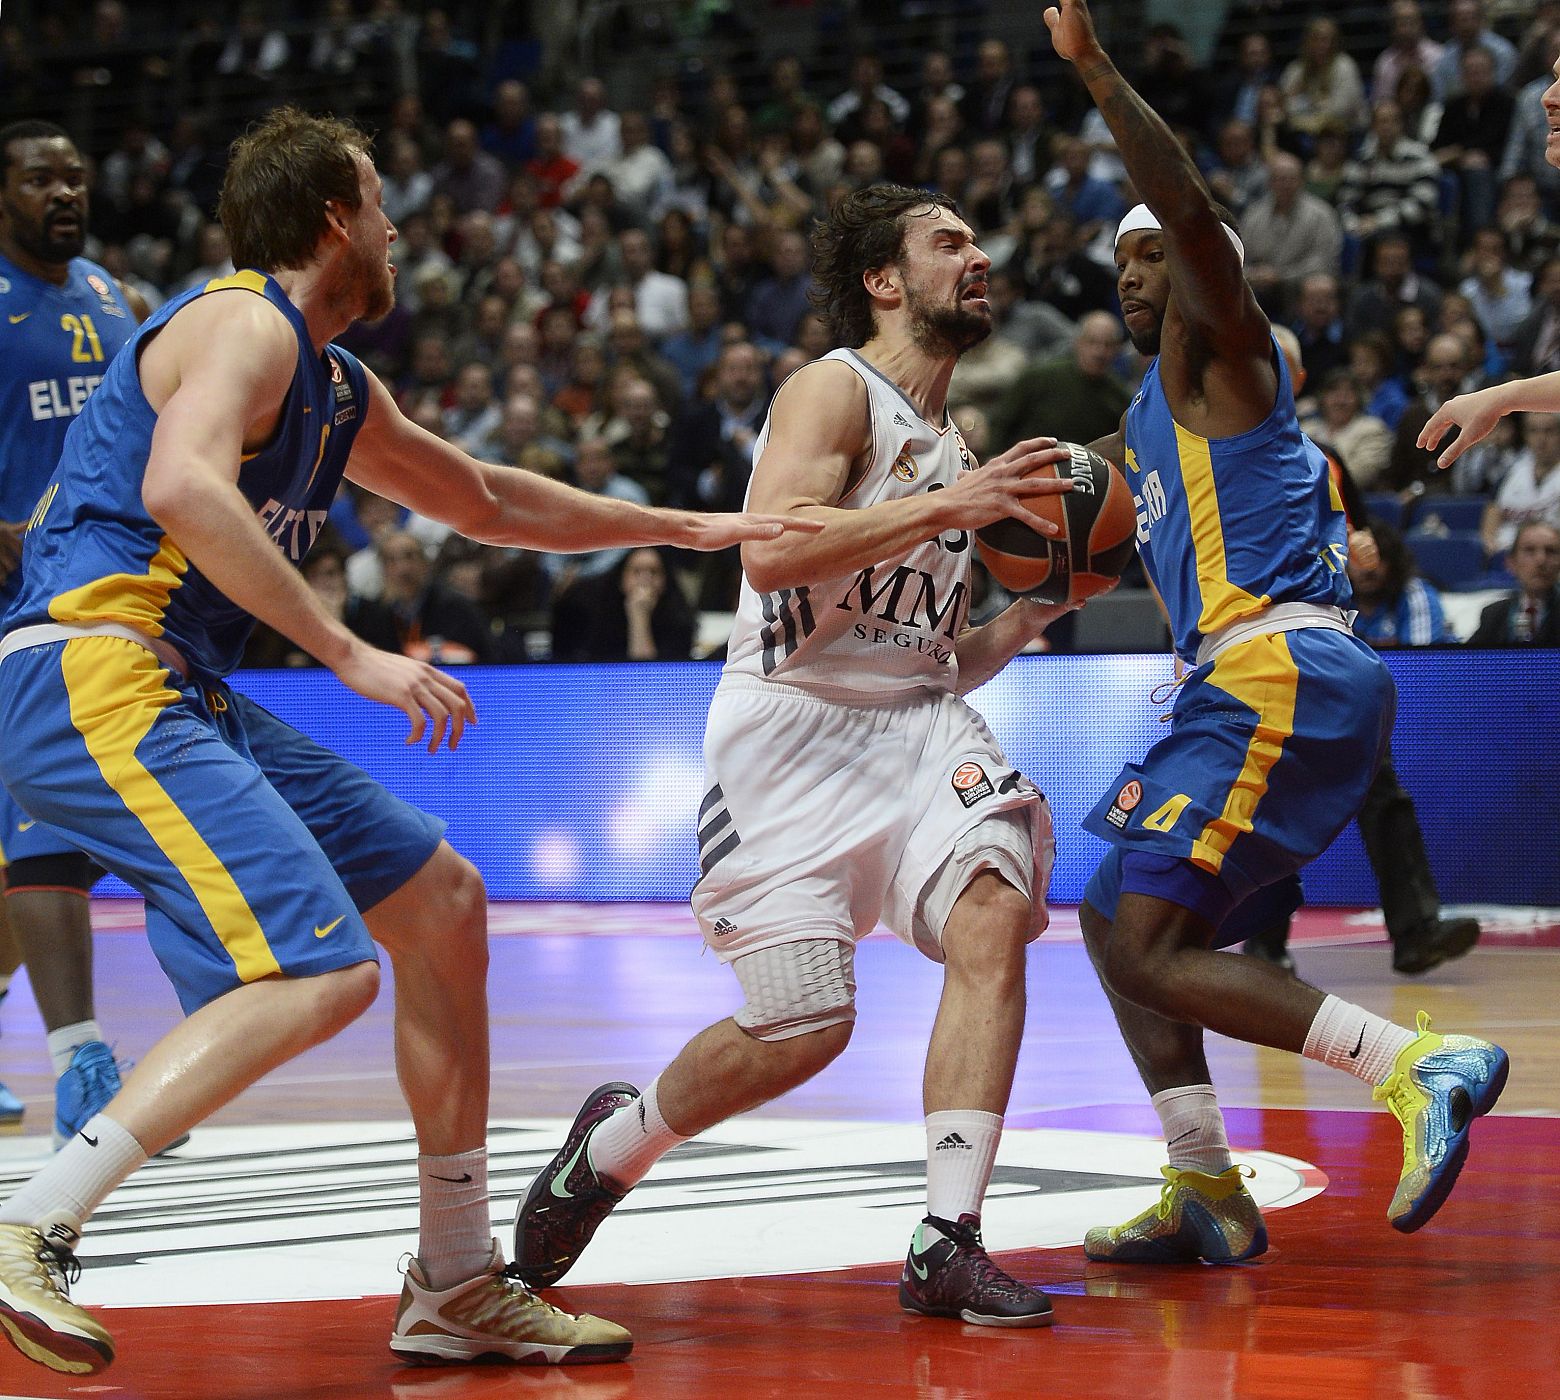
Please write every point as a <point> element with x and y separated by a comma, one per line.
<point>1003,486</point>
<point>424,693</point>
<point>1072,31</point>
<point>1475,414</point>
<point>721,531</point>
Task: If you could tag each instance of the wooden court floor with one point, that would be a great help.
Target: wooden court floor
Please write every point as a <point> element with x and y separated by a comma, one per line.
<point>236,1271</point>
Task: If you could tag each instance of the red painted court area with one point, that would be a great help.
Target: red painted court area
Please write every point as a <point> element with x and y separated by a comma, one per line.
<point>1340,1307</point>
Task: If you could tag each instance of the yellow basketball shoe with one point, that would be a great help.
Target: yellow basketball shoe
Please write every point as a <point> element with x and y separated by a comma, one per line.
<point>1198,1216</point>
<point>35,1307</point>
<point>1438,1086</point>
<point>495,1317</point>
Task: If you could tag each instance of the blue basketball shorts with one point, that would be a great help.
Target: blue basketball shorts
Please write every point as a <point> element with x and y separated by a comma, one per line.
<point>23,837</point>
<point>256,850</point>
<point>1271,749</point>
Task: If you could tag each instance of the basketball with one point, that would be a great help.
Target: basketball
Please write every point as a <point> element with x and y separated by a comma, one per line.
<point>1098,523</point>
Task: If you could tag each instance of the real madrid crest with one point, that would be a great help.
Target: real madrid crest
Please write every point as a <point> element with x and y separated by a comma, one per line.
<point>904,464</point>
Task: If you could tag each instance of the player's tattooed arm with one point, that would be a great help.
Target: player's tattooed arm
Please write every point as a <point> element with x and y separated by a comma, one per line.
<point>1205,270</point>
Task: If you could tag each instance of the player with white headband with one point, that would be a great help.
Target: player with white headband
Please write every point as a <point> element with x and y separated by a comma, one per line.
<point>1278,728</point>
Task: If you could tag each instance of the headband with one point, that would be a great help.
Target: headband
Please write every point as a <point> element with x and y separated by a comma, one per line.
<point>1140,218</point>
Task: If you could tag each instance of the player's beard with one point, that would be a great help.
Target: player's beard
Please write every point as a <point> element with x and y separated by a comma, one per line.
<point>943,329</point>
<point>1146,342</point>
<point>37,241</point>
<point>376,286</point>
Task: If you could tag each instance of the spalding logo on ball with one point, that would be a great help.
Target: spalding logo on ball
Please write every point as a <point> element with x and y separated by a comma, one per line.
<point>1098,523</point>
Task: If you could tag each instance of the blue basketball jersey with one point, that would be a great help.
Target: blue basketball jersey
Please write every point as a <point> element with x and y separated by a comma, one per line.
<point>55,345</point>
<point>1227,526</point>
<point>94,555</point>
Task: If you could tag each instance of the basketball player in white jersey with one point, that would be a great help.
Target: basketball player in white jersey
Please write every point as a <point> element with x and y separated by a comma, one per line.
<point>846,779</point>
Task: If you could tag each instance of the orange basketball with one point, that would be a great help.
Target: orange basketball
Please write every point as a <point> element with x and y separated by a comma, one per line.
<point>1098,520</point>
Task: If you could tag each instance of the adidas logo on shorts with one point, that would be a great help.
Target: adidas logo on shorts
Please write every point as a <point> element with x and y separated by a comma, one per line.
<point>723,927</point>
<point>954,1143</point>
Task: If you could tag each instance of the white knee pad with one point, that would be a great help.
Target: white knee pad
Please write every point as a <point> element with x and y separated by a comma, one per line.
<point>795,988</point>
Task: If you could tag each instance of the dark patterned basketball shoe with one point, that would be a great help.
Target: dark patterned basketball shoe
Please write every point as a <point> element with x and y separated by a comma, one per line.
<point>954,1277</point>
<point>568,1200</point>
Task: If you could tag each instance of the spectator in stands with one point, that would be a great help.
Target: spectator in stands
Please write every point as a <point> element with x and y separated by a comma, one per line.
<point>253,61</point>
<point>474,417</point>
<point>1319,325</point>
<point>1531,615</point>
<point>324,569</point>
<point>522,441</point>
<point>1027,135</point>
<point>448,68</point>
<point>551,167</point>
<point>1471,139</point>
<point>630,346</point>
<point>985,103</point>
<point>845,112</point>
<point>1531,489</point>
<point>641,175</point>
<point>641,446</point>
<point>1392,184</point>
<point>1090,203</point>
<point>1170,81</point>
<point>1329,161</point>
<point>1396,608</point>
<point>1053,268</point>
<point>1417,103</point>
<point>1238,96</point>
<point>692,351</point>
<point>660,300</point>
<point>1362,440</point>
<point>592,131</point>
<point>594,471</point>
<point>1289,235</point>
<point>1535,348</point>
<point>1501,294</point>
<point>634,612</point>
<point>1468,31</point>
<point>1238,175</point>
<point>937,84</point>
<point>432,622</point>
<point>1531,236</point>
<point>1323,83</point>
<point>212,260</point>
<point>1393,284</point>
<point>1446,370</point>
<point>1411,47</point>
<point>407,186</point>
<point>511,133</point>
<point>779,301</point>
<point>1076,397</point>
<point>1372,365</point>
<point>468,176</point>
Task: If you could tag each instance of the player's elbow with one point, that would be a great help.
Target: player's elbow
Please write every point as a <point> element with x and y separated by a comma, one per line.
<point>767,567</point>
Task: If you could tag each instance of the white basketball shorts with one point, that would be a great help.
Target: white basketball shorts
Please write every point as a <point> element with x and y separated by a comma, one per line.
<point>820,818</point>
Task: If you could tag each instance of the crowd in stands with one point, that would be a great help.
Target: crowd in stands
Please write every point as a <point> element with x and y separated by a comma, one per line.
<point>610,290</point>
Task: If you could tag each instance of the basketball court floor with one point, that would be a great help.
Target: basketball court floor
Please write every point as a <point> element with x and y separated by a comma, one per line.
<point>259,1262</point>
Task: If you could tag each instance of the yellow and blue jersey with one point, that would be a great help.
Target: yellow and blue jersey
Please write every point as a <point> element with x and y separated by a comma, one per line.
<point>56,343</point>
<point>1228,526</point>
<point>93,554</point>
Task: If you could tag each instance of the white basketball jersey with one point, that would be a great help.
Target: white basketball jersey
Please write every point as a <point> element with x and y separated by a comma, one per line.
<point>888,628</point>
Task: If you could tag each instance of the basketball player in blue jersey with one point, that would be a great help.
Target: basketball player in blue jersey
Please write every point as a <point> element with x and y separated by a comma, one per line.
<point>191,484</point>
<point>64,321</point>
<point>1278,727</point>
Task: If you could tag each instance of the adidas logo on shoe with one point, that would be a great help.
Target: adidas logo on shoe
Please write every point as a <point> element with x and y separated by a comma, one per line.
<point>723,927</point>
<point>954,1143</point>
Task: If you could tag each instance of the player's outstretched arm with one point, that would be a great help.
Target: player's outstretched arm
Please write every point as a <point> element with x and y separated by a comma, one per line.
<point>219,371</point>
<point>819,445</point>
<point>1205,270</point>
<point>1476,413</point>
<point>395,458</point>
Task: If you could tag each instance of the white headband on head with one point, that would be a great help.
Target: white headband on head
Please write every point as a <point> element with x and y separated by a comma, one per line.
<point>1140,217</point>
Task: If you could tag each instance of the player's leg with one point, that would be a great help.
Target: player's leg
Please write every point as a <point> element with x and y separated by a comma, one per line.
<point>11,1107</point>
<point>427,907</point>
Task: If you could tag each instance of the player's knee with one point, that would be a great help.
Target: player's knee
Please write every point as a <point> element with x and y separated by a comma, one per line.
<point>345,994</point>
<point>989,931</point>
<point>802,992</point>
<point>1131,969</point>
<point>466,907</point>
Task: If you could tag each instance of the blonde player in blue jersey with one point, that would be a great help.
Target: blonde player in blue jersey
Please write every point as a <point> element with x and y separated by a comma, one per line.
<point>1279,724</point>
<point>193,481</point>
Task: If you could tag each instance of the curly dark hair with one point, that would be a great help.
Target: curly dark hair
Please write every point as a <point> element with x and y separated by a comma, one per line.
<point>866,229</point>
<point>30,129</point>
<point>283,171</point>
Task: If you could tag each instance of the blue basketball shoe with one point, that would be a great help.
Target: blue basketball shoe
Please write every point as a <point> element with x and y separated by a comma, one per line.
<point>1438,1086</point>
<point>11,1110</point>
<point>90,1081</point>
<point>1197,1216</point>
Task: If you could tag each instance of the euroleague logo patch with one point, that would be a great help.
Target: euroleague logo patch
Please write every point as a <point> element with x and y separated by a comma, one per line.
<point>105,296</point>
<point>971,783</point>
<point>293,1212</point>
<point>1125,801</point>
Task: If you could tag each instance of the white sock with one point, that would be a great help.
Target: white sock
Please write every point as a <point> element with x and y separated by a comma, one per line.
<point>454,1224</point>
<point>627,1144</point>
<point>961,1149</point>
<point>1193,1128</point>
<point>64,1041</point>
<point>66,1191</point>
<point>1350,1038</point>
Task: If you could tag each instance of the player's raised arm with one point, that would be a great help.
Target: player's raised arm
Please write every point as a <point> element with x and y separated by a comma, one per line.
<point>1205,268</point>
<point>817,449</point>
<point>217,376</point>
<point>395,458</point>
